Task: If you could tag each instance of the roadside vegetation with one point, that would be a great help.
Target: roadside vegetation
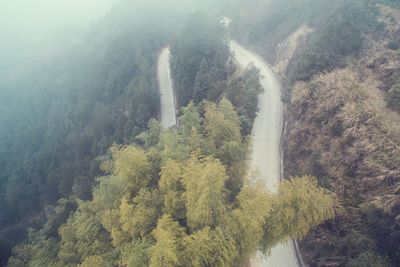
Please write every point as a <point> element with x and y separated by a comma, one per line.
<point>170,202</point>
<point>341,89</point>
<point>203,69</point>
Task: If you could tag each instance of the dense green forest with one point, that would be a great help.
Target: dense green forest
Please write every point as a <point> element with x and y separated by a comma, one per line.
<point>203,70</point>
<point>69,114</point>
<point>200,41</point>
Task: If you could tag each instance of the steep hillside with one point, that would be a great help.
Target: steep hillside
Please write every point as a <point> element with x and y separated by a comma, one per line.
<point>348,135</point>
<point>67,106</point>
<point>168,204</point>
<point>338,133</point>
<point>340,68</point>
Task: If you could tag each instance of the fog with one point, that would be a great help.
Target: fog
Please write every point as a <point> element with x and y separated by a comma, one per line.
<point>77,76</point>
<point>27,26</point>
<point>33,29</point>
<point>30,21</point>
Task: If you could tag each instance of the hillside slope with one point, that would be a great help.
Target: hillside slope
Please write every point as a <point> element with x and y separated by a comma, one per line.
<point>341,70</point>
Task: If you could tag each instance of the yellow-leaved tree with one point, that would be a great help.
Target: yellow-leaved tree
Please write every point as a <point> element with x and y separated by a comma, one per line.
<point>179,201</point>
<point>171,185</point>
<point>299,204</point>
<point>204,180</point>
<point>168,249</point>
<point>131,164</point>
<point>92,261</point>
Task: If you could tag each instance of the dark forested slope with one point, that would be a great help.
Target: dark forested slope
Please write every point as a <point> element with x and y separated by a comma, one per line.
<point>203,70</point>
<point>68,106</point>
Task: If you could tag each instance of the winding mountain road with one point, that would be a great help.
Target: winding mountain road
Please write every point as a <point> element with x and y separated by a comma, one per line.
<point>266,135</point>
<point>265,156</point>
<point>168,114</point>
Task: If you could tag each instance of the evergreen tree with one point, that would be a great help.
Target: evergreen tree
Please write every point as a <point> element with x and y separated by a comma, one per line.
<point>189,120</point>
<point>202,83</point>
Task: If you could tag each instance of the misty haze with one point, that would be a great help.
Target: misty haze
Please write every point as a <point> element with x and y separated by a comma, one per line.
<point>186,133</point>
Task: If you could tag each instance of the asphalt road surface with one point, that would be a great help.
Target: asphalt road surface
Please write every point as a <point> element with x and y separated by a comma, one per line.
<point>266,135</point>
<point>265,156</point>
<point>168,115</point>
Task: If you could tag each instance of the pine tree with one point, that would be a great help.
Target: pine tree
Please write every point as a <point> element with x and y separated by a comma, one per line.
<point>190,119</point>
<point>202,82</point>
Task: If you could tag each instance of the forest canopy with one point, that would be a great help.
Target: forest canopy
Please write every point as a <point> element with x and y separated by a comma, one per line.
<point>88,177</point>
<point>170,203</point>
